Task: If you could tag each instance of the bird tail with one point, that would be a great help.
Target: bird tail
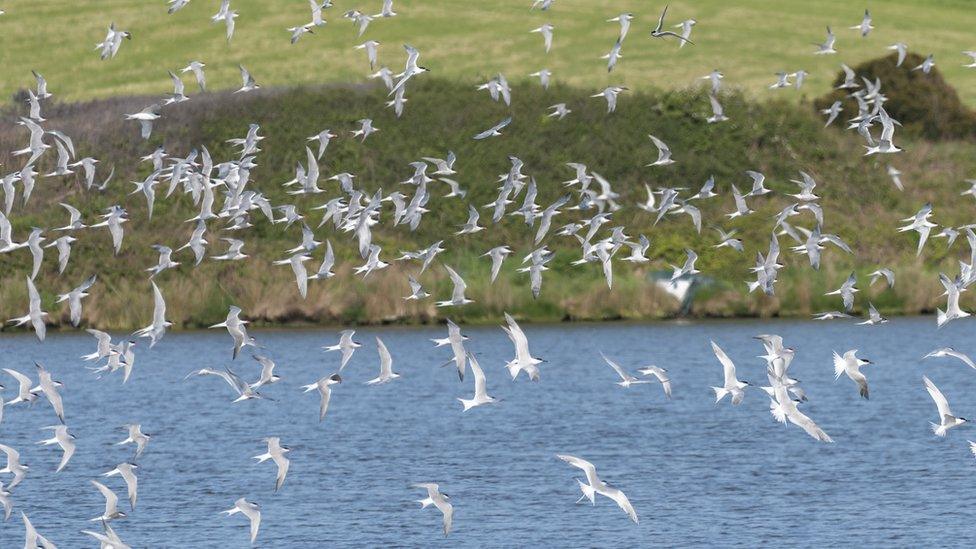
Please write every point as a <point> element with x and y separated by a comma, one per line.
<point>938,429</point>
<point>588,492</point>
<point>719,394</point>
<point>940,317</point>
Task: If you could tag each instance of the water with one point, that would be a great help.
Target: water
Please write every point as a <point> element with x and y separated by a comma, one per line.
<point>697,473</point>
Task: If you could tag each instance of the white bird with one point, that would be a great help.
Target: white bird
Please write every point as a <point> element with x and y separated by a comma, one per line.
<point>947,420</point>
<point>495,130</point>
<point>226,15</point>
<point>249,510</point>
<point>480,387</point>
<point>624,19</point>
<point>247,81</point>
<point>157,329</point>
<point>610,94</point>
<point>32,538</point>
<point>439,500</point>
<point>523,361</point>
<point>196,67</point>
<point>847,291</point>
<point>65,440</point>
<point>49,388</point>
<point>926,65</point>
<point>111,503</point>
<point>953,311</point>
<point>456,340</point>
<point>35,316</point>
<point>902,50</point>
<point>594,485</point>
<point>950,352</point>
<point>276,453</point>
<point>13,466</point>
<point>457,295</point>
<point>661,375</point>
<point>346,345</point>
<point>127,472</point>
<point>371,47</point>
<point>732,385</point>
<point>297,264</point>
<point>546,31</point>
<point>865,25</point>
<point>236,328</point>
<point>137,437</point>
<point>626,379</point>
<point>497,255</point>
<point>685,27</point>
<point>874,317</point>
<point>663,152</point>
<point>850,364</point>
<point>827,47</point>
<point>386,365</point>
<point>324,387</point>
<point>146,117</point>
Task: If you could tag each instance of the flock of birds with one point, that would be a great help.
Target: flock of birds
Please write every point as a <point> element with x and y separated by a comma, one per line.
<point>356,211</point>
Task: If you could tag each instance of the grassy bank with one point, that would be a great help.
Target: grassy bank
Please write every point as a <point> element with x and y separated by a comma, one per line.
<point>860,204</point>
<point>749,40</point>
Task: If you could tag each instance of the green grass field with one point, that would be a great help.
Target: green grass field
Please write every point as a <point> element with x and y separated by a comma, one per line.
<point>749,40</point>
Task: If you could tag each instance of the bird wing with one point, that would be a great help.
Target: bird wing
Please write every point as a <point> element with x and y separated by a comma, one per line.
<point>728,367</point>
<point>940,400</point>
<point>616,367</point>
<point>588,468</point>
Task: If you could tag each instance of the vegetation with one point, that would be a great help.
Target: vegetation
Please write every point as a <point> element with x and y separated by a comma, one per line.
<point>749,40</point>
<point>777,138</point>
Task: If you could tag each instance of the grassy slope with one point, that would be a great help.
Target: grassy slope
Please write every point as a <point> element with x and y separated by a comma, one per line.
<point>749,40</point>
<point>776,138</point>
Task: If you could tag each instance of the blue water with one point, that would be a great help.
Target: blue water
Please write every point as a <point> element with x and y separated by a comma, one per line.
<point>696,473</point>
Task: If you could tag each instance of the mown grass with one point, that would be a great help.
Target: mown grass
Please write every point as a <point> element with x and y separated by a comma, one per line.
<point>749,40</point>
<point>777,138</point>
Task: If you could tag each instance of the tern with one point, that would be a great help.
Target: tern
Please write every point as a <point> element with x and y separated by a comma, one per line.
<point>846,292</point>
<point>49,388</point>
<point>65,440</point>
<point>13,466</point>
<point>109,539</point>
<point>146,117</point>
<point>610,94</point>
<point>874,317</point>
<point>157,329</point>
<point>946,418</point>
<point>902,50</point>
<point>111,503</point>
<point>850,364</point>
<point>884,273</point>
<point>33,538</point>
<point>386,365</point>
<point>865,25</point>
<point>439,500</point>
<point>497,255</point>
<point>267,376</point>
<point>827,47</point>
<point>663,153</point>
<point>324,387</point>
<point>456,340</point>
<point>950,352</point>
<point>624,19</point>
<point>480,387</point>
<point>249,510</point>
<point>237,329</point>
<point>346,345</point>
<point>546,31</point>
<point>523,361</point>
<point>495,130</point>
<point>661,375</point>
<point>137,437</point>
<point>457,296</point>
<point>35,316</point>
<point>248,83</point>
<point>732,385</point>
<point>659,32</point>
<point>594,485</point>
<point>127,472</point>
<point>276,453</point>
<point>626,379</point>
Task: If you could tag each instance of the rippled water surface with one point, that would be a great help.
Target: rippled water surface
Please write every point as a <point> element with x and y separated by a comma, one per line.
<point>697,473</point>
